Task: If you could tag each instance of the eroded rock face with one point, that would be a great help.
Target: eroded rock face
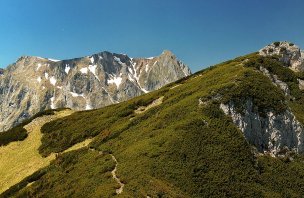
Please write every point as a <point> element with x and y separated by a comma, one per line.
<point>271,133</point>
<point>301,84</point>
<point>33,84</point>
<point>276,81</point>
<point>289,54</point>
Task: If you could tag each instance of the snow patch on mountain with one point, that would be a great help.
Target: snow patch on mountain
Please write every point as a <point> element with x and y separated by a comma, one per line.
<point>53,60</point>
<point>147,68</point>
<point>114,80</point>
<point>76,94</point>
<point>38,66</point>
<point>92,59</point>
<point>118,60</point>
<point>84,70</point>
<point>67,68</point>
<point>88,107</point>
<point>92,69</point>
<point>53,80</point>
<point>52,103</point>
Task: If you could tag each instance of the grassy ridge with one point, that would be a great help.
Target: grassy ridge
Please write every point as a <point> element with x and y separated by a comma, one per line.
<point>21,159</point>
<point>18,133</point>
<point>180,148</point>
<point>65,132</point>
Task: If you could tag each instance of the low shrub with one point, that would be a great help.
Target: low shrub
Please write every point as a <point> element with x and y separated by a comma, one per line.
<point>277,43</point>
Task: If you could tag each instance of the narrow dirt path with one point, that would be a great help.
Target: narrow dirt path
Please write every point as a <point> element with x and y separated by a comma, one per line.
<point>113,172</point>
<point>119,190</point>
<point>155,103</point>
<point>79,145</point>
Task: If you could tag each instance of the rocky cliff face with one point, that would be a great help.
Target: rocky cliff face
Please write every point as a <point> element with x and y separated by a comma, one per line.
<point>271,133</point>
<point>290,54</point>
<point>33,84</point>
<point>276,81</point>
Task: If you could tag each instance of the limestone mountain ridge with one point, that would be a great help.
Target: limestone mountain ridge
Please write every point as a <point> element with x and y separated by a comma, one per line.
<point>34,84</point>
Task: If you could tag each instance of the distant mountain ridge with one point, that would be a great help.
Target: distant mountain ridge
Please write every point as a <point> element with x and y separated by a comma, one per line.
<point>34,84</point>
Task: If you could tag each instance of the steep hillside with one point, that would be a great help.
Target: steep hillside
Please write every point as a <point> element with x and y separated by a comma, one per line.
<point>21,159</point>
<point>34,84</point>
<point>218,133</point>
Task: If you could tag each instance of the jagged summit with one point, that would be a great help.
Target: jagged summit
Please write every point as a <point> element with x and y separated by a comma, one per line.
<point>290,54</point>
<point>33,84</point>
<point>167,53</point>
<point>36,57</point>
<point>101,53</point>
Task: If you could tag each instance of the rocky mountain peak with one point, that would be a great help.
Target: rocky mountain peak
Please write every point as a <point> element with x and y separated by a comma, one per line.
<point>34,84</point>
<point>167,53</point>
<point>289,53</point>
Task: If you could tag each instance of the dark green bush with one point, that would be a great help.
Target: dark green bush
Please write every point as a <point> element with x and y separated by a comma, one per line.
<point>277,44</point>
<point>17,133</point>
<point>283,49</point>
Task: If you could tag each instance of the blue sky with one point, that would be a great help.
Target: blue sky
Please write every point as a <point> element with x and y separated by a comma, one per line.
<point>199,32</point>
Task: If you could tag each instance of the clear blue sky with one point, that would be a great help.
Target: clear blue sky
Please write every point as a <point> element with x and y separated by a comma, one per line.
<point>199,32</point>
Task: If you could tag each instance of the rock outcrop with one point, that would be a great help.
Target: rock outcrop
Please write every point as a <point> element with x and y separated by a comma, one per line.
<point>269,134</point>
<point>301,84</point>
<point>276,81</point>
<point>33,84</point>
<point>272,132</point>
<point>289,53</point>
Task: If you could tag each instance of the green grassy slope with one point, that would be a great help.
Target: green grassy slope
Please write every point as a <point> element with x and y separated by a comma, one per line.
<point>18,133</point>
<point>178,149</point>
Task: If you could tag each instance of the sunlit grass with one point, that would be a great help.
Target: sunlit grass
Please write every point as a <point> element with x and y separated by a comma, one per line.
<point>21,159</point>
